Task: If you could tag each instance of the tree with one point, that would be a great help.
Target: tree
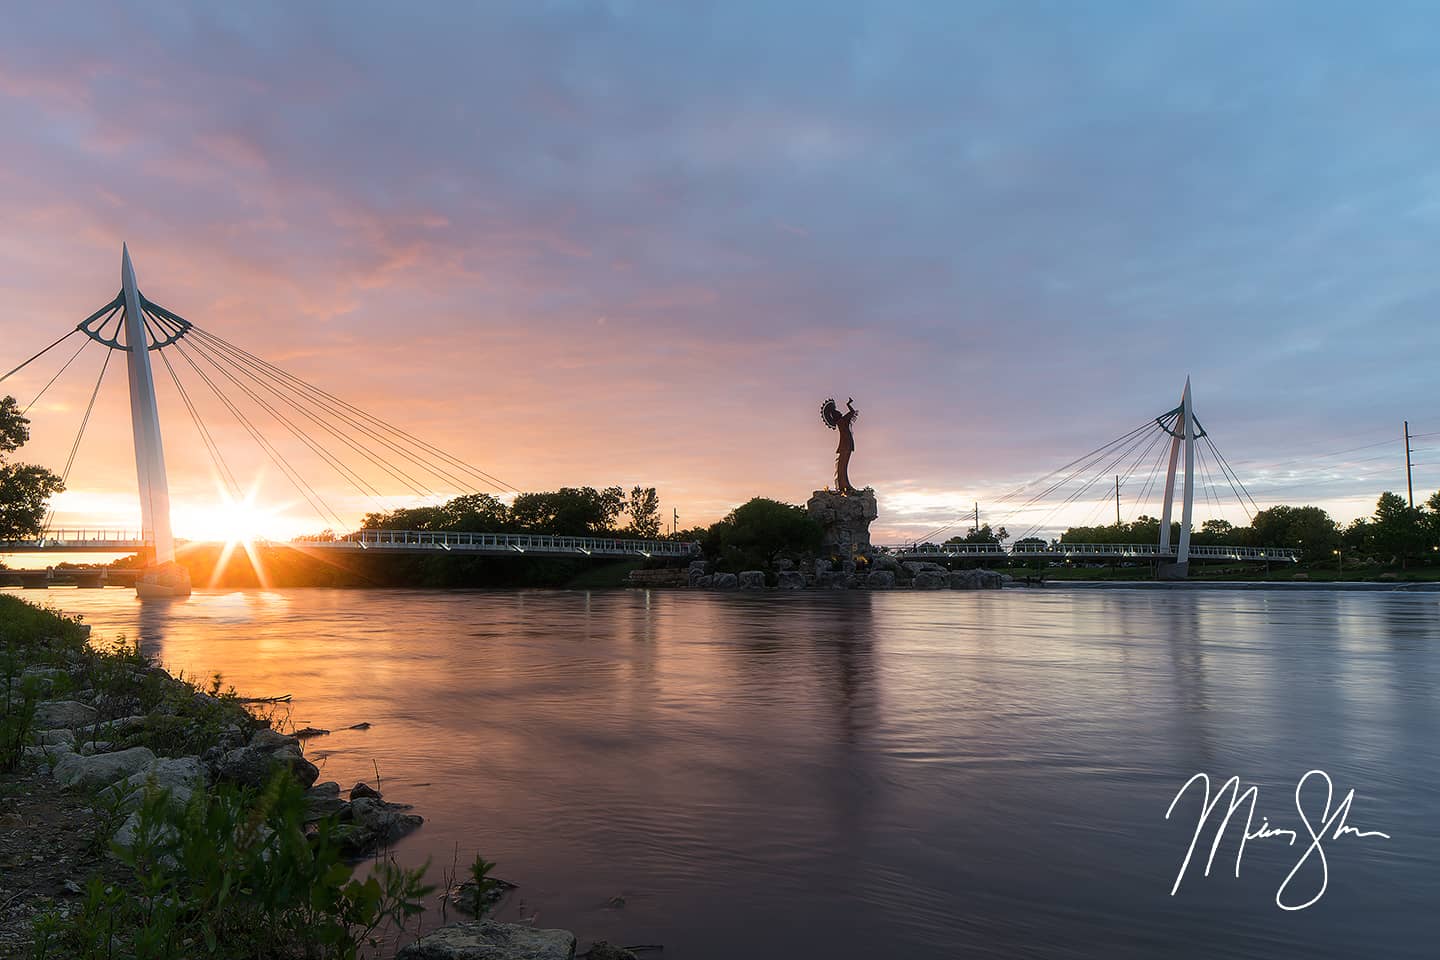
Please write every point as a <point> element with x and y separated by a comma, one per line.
<point>761,531</point>
<point>569,511</point>
<point>1307,529</point>
<point>983,535</point>
<point>25,490</point>
<point>644,510</point>
<point>1399,529</point>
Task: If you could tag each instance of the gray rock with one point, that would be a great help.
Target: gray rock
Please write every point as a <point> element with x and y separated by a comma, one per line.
<point>790,580</point>
<point>465,895</point>
<point>375,823</point>
<point>880,579</point>
<point>964,580</point>
<point>605,950</point>
<point>111,728</point>
<point>47,738</point>
<point>725,581</point>
<point>327,789</point>
<point>178,777</point>
<point>253,766</point>
<point>930,580</point>
<point>752,580</point>
<point>917,567</point>
<point>784,564</point>
<point>883,561</point>
<point>50,752</point>
<point>267,739</point>
<point>89,773</point>
<point>488,940</point>
<point>50,714</point>
<point>703,582</point>
<point>989,580</point>
<point>364,790</point>
<point>129,832</point>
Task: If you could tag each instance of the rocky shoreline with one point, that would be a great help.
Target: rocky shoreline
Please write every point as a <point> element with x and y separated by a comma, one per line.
<point>110,737</point>
<point>877,572</point>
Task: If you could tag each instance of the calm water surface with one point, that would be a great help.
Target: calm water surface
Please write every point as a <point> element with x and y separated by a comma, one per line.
<point>868,775</point>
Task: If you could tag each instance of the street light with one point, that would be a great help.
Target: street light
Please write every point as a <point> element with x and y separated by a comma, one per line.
<point>1340,554</point>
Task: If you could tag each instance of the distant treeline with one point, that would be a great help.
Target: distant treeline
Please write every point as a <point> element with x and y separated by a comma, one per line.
<point>1395,532</point>
<point>567,512</point>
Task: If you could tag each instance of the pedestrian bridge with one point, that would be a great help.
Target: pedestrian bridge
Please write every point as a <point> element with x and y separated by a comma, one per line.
<point>382,541</point>
<point>1089,551</point>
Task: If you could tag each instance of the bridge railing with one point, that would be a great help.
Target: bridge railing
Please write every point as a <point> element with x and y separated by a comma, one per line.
<point>513,542</point>
<point>84,535</point>
<point>1093,550</point>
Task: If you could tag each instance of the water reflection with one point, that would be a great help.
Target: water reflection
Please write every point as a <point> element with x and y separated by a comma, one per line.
<point>862,775</point>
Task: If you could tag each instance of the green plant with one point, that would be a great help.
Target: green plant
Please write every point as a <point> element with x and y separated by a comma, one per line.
<point>487,887</point>
<point>233,874</point>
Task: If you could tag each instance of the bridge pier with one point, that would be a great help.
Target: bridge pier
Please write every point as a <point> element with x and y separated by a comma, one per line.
<point>1172,571</point>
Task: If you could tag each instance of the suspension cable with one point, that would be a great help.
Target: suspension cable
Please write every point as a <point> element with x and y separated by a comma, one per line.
<point>39,355</point>
<point>52,380</point>
<point>79,435</point>
<point>221,467</point>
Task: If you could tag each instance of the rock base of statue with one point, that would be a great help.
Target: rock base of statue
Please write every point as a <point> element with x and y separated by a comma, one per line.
<point>845,519</point>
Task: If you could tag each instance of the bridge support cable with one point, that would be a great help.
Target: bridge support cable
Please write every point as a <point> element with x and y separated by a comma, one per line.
<point>37,356</point>
<point>289,395</point>
<point>316,502</point>
<point>354,479</point>
<point>1079,464</point>
<point>1106,469</point>
<point>222,469</point>
<point>49,383</point>
<point>357,412</point>
<point>79,435</point>
<point>278,391</point>
<point>1242,493</point>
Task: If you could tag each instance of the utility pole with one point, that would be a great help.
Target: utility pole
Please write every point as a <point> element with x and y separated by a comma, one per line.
<point>1410,485</point>
<point>977,517</point>
<point>674,520</point>
<point>1117,501</point>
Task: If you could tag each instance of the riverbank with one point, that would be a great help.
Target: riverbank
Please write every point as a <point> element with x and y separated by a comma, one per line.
<point>162,811</point>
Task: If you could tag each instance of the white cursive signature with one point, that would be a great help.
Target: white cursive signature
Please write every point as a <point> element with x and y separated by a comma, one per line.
<point>1332,826</point>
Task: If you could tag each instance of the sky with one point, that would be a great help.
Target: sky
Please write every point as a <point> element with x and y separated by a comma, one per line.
<point>640,243</point>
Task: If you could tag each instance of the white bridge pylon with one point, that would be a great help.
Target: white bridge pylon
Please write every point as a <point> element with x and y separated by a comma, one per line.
<point>1184,433</point>
<point>145,421</point>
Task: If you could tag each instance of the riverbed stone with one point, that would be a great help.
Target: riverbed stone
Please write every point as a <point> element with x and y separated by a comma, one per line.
<point>374,823</point>
<point>917,567</point>
<point>50,714</point>
<point>880,579</point>
<point>752,580</point>
<point>725,581</point>
<point>47,738</point>
<point>964,580</point>
<point>930,580</point>
<point>178,777</point>
<point>89,773</point>
<point>790,580</point>
<point>465,896</point>
<point>491,940</point>
<point>253,766</point>
<point>363,790</point>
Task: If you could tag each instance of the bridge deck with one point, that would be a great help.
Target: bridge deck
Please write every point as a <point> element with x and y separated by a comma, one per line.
<point>1066,551</point>
<point>384,541</point>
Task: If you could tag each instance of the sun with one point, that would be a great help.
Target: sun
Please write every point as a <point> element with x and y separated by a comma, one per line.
<point>234,523</point>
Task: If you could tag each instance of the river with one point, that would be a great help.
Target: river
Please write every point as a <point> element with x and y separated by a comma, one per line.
<point>909,775</point>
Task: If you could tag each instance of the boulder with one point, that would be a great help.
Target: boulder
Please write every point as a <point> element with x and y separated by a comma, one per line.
<point>883,561</point>
<point>363,790</point>
<point>605,950</point>
<point>964,580</point>
<point>725,581</point>
<point>752,580</point>
<point>323,800</point>
<point>989,579</point>
<point>703,582</point>
<point>917,567</point>
<point>253,766</point>
<point>50,714</point>
<point>489,940</point>
<point>930,580</point>
<point>880,579</point>
<point>695,572</point>
<point>790,580</point>
<point>111,728</point>
<point>465,895</point>
<point>272,740</point>
<point>89,773</point>
<point>375,823</point>
<point>178,777</point>
<point>46,738</point>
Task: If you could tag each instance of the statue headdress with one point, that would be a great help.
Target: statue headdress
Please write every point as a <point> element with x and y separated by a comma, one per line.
<point>830,414</point>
